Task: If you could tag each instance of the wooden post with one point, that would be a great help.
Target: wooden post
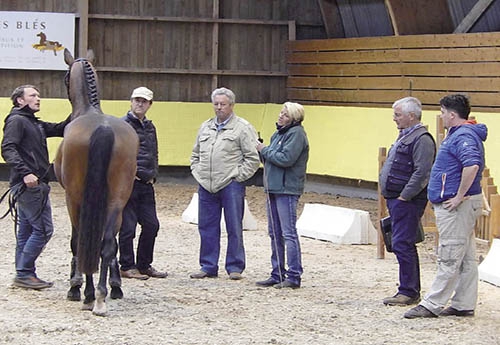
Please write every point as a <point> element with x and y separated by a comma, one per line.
<point>83,27</point>
<point>215,44</point>
<point>382,153</point>
<point>494,218</point>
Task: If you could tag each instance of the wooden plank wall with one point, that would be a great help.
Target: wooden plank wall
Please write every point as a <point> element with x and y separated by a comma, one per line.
<point>376,71</point>
<point>181,49</point>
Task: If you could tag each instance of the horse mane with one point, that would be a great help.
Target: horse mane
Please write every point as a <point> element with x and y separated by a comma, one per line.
<point>90,79</point>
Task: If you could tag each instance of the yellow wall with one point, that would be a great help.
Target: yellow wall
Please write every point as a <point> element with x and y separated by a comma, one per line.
<point>344,141</point>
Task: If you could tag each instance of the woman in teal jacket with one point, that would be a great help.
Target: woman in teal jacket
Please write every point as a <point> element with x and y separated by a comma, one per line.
<point>285,162</point>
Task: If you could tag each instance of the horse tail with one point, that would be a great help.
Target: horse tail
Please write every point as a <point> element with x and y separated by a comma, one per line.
<point>95,200</point>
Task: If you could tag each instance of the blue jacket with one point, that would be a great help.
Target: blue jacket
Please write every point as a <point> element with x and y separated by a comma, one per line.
<point>285,161</point>
<point>462,147</point>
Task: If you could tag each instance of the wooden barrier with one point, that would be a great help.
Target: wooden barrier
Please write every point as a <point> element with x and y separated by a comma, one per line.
<point>375,71</point>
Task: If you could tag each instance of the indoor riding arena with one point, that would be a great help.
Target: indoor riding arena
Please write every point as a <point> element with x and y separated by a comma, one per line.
<point>347,62</point>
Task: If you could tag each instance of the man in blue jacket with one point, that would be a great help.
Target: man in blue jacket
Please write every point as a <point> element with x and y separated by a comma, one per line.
<point>455,192</point>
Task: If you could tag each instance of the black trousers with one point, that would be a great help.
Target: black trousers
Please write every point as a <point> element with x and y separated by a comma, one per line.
<point>140,209</point>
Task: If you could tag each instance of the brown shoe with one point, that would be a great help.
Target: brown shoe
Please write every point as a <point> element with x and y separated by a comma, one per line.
<point>450,311</point>
<point>133,273</point>
<point>32,283</point>
<point>152,272</point>
<point>401,300</point>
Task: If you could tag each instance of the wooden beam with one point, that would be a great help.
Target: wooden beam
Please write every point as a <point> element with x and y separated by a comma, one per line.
<point>215,44</point>
<point>331,18</point>
<point>83,27</point>
<point>190,20</point>
<point>191,71</point>
<point>472,17</point>
<point>390,10</point>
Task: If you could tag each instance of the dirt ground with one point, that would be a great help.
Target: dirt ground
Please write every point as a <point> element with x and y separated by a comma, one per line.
<point>340,301</point>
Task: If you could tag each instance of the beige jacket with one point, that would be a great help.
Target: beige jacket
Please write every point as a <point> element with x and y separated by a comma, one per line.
<point>220,157</point>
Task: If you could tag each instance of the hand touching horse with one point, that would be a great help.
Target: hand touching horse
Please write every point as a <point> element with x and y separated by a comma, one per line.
<point>96,165</point>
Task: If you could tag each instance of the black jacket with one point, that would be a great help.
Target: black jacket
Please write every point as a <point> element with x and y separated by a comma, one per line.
<point>147,158</point>
<point>24,144</point>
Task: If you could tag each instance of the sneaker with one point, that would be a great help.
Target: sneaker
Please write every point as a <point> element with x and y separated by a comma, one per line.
<point>133,273</point>
<point>268,282</point>
<point>401,300</point>
<point>450,311</point>
<point>32,283</point>
<point>235,276</point>
<point>286,284</point>
<point>152,272</point>
<point>200,274</point>
<point>419,311</point>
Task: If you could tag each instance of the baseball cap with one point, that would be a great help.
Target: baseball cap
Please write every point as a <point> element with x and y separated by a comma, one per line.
<point>142,92</point>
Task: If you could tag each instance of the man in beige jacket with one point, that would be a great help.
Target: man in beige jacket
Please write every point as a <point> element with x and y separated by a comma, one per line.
<point>224,157</point>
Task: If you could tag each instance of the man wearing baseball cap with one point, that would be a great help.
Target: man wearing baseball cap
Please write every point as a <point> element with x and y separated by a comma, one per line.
<point>141,207</point>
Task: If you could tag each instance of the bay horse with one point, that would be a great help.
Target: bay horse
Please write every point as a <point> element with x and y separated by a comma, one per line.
<point>96,166</point>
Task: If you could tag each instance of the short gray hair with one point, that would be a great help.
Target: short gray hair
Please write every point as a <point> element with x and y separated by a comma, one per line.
<point>410,105</point>
<point>225,92</point>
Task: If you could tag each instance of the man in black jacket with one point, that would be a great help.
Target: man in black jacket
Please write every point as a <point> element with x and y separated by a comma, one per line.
<point>24,149</point>
<point>141,207</point>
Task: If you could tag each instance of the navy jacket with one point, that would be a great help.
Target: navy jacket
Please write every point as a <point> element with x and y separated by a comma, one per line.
<point>147,157</point>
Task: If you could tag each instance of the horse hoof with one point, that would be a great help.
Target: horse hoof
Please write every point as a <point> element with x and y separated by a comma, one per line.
<point>116,292</point>
<point>74,294</point>
<point>88,306</point>
<point>99,313</point>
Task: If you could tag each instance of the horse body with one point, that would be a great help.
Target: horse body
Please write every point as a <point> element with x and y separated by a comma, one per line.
<point>96,165</point>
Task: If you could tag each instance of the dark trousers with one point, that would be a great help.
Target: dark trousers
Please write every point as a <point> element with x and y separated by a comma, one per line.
<point>140,209</point>
<point>405,218</point>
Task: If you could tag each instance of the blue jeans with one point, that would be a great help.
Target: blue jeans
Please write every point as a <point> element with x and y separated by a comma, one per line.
<point>282,220</point>
<point>140,209</point>
<point>231,198</point>
<point>34,228</point>
<point>405,219</point>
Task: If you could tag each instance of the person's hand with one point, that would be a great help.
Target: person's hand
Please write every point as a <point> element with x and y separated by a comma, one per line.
<point>260,146</point>
<point>453,203</point>
<point>30,180</point>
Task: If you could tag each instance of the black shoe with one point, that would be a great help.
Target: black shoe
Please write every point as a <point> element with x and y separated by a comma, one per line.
<point>287,284</point>
<point>268,282</point>
<point>450,311</point>
<point>419,311</point>
<point>32,283</point>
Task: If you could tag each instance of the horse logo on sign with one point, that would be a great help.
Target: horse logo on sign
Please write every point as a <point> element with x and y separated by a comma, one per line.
<point>44,44</point>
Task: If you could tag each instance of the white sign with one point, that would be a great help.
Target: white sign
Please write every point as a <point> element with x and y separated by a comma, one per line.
<point>35,40</point>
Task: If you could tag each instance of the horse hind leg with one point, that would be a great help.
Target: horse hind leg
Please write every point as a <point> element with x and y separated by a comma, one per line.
<point>115,280</point>
<point>76,281</point>
<point>89,301</point>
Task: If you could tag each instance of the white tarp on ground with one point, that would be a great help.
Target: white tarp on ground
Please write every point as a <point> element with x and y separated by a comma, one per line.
<point>336,224</point>
<point>190,215</point>
<point>489,269</point>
